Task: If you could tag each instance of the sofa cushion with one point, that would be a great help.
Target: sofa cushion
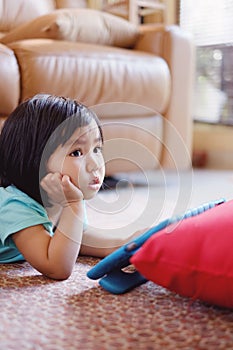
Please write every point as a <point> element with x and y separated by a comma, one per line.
<point>71,3</point>
<point>9,82</point>
<point>83,25</point>
<point>114,74</point>
<point>14,13</point>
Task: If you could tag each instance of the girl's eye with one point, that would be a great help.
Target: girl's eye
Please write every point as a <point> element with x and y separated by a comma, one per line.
<point>76,153</point>
<point>98,149</point>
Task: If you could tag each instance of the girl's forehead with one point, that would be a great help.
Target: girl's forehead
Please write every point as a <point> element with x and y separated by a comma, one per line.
<point>85,133</point>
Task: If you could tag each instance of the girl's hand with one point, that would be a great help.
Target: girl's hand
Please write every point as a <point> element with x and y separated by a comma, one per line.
<point>60,189</point>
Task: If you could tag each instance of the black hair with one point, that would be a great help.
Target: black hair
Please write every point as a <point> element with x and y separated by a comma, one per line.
<point>27,131</point>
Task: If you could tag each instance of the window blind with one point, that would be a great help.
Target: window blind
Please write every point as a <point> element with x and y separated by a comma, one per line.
<point>211,24</point>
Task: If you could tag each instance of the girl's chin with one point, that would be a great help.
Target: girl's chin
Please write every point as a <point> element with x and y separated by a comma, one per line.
<point>91,193</point>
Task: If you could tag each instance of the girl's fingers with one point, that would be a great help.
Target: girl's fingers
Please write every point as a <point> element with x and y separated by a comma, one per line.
<point>60,188</point>
<point>72,192</point>
<point>65,179</point>
<point>51,183</point>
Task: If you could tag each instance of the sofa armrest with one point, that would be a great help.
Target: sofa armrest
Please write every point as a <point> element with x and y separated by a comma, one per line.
<point>150,38</point>
<point>177,48</point>
<point>9,81</point>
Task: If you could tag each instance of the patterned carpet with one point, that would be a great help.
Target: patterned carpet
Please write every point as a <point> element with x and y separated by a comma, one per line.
<point>37,313</point>
<point>41,314</point>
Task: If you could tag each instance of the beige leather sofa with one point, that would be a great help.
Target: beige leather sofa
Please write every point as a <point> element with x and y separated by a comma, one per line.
<point>138,80</point>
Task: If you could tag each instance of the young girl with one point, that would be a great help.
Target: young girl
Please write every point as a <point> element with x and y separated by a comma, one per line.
<point>50,162</point>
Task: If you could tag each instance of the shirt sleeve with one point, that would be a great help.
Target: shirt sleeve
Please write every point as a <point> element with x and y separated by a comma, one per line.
<point>17,214</point>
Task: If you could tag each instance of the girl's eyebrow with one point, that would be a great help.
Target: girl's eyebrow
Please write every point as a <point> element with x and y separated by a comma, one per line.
<point>82,140</point>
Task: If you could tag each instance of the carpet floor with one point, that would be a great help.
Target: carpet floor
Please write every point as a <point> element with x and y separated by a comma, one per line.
<point>41,314</point>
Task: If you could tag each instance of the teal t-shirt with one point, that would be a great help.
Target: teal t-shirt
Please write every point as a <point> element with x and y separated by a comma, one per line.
<point>18,211</point>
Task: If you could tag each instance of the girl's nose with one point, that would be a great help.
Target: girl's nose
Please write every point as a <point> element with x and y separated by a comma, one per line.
<point>92,163</point>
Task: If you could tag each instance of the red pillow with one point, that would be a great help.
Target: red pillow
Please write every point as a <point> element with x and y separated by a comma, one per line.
<point>194,257</point>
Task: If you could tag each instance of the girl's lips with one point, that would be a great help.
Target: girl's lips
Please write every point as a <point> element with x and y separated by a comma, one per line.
<point>95,181</point>
<point>95,184</point>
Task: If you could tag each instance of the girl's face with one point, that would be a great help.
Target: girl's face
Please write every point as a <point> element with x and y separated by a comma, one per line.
<point>81,159</point>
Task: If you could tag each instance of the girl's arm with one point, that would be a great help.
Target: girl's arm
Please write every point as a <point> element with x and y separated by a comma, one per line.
<point>100,244</point>
<point>55,256</point>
